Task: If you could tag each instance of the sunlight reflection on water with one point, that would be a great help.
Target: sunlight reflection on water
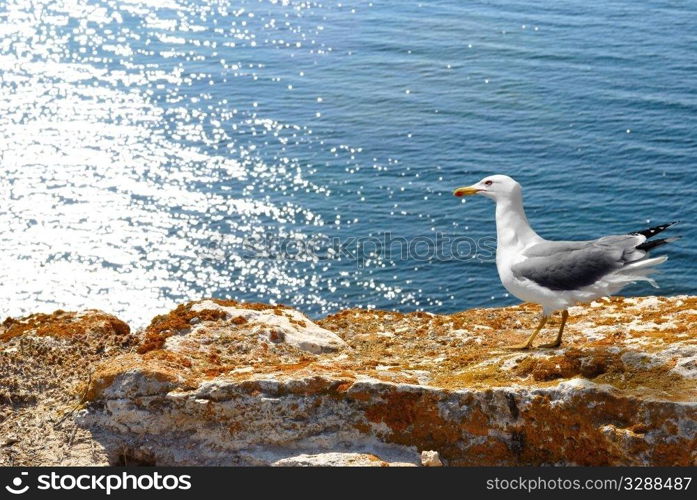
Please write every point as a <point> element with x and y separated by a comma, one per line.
<point>143,143</point>
<point>121,165</point>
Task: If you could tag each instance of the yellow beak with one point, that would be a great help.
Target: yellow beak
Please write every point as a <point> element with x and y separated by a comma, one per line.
<point>466,191</point>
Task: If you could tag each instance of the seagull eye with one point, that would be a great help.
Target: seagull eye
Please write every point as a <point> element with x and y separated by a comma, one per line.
<point>488,183</point>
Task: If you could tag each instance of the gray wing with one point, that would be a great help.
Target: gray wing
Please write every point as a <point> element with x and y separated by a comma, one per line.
<point>570,265</point>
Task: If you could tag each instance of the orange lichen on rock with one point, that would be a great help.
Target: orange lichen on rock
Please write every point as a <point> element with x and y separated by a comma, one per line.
<point>63,324</point>
<point>163,371</point>
<point>165,325</point>
<point>413,417</point>
<point>571,363</point>
<point>183,318</point>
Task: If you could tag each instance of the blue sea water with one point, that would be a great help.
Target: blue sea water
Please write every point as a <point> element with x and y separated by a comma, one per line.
<point>157,151</point>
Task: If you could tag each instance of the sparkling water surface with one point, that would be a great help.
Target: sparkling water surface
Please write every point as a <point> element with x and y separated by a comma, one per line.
<point>159,151</point>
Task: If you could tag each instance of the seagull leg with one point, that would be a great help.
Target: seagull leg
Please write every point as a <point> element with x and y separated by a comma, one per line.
<point>557,341</point>
<point>528,343</point>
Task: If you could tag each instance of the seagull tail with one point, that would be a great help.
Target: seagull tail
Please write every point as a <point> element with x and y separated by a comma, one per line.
<point>640,270</point>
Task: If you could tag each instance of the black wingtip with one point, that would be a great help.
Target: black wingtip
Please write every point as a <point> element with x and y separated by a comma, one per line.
<point>650,245</point>
<point>653,231</point>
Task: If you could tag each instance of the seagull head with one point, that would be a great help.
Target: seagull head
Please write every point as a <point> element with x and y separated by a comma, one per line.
<point>496,187</point>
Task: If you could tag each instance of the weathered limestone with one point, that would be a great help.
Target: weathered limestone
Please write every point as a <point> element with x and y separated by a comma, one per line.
<point>219,388</point>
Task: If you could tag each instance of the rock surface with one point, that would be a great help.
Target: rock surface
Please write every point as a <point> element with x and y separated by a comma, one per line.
<point>338,460</point>
<point>224,383</point>
<point>45,364</point>
<point>430,458</point>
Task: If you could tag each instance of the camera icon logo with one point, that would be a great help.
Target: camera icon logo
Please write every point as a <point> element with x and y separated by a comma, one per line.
<point>16,488</point>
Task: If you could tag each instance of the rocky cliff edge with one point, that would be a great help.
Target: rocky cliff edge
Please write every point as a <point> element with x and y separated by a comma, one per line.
<point>218,382</point>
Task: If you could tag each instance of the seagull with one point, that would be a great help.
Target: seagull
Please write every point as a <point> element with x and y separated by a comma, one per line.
<point>559,274</point>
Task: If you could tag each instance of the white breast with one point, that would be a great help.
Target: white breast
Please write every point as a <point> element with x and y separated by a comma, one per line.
<point>506,258</point>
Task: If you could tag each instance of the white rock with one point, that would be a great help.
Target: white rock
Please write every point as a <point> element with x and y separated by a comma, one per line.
<point>431,459</point>
<point>303,333</point>
<point>334,459</point>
